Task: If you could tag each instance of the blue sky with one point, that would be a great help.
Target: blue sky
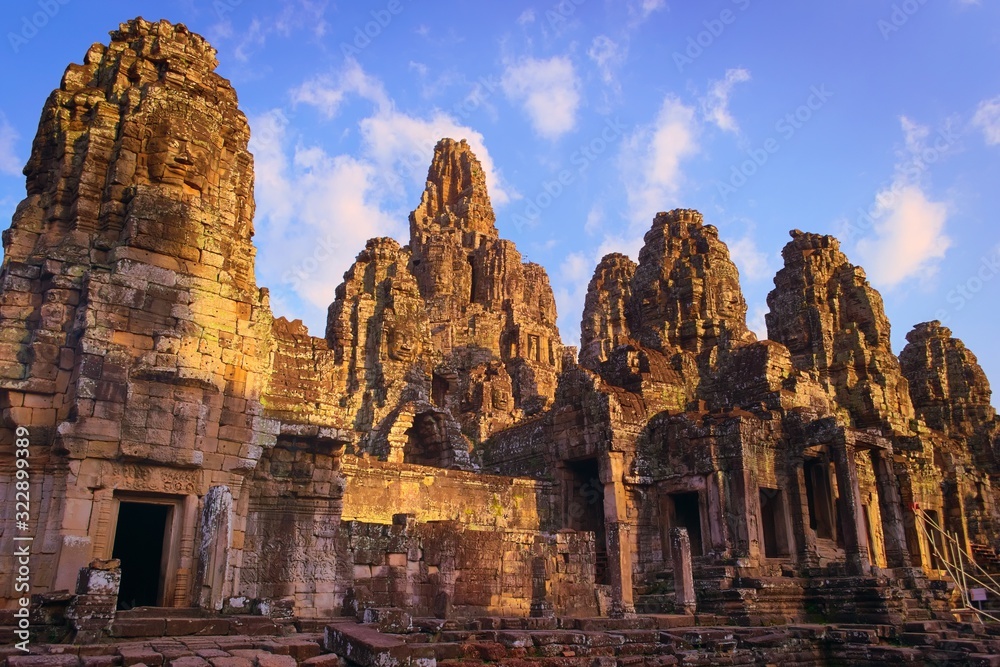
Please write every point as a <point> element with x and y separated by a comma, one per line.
<point>875,121</point>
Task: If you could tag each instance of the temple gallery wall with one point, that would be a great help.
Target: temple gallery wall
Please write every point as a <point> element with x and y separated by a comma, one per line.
<point>438,448</point>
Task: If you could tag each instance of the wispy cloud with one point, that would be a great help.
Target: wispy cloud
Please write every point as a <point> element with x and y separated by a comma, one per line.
<point>752,262</point>
<point>908,238</point>
<point>548,91</point>
<point>570,290</point>
<point>640,10</point>
<point>310,200</point>
<point>295,16</point>
<point>650,159</point>
<point>608,55</point>
<point>987,119</point>
<point>715,104</point>
<point>327,92</point>
<point>10,163</point>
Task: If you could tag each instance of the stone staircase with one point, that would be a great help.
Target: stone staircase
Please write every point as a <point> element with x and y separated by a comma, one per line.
<point>986,557</point>
<point>830,596</point>
<point>656,640</point>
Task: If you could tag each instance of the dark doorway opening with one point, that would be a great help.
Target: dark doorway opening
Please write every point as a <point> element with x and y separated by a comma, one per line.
<point>427,440</point>
<point>819,498</point>
<point>772,521</point>
<point>585,509</point>
<point>687,514</point>
<point>439,390</point>
<point>473,281</point>
<point>139,546</point>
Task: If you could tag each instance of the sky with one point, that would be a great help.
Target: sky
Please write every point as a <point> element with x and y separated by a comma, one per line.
<point>875,121</point>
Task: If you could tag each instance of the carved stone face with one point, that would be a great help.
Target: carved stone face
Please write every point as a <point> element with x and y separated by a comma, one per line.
<point>178,151</point>
<point>429,428</point>
<point>402,336</point>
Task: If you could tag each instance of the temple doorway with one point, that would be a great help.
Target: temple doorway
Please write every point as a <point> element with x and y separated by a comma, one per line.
<point>687,514</point>
<point>773,524</point>
<point>584,509</point>
<point>140,541</point>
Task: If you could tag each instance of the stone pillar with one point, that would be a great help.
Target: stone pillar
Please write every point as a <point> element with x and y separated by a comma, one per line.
<point>184,594</point>
<point>891,509</point>
<point>618,536</point>
<point>93,609</point>
<point>213,548</point>
<point>798,503</point>
<point>541,603</point>
<point>852,519</point>
<point>680,549</point>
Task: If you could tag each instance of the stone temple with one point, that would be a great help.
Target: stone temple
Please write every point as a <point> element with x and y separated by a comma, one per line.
<point>439,461</point>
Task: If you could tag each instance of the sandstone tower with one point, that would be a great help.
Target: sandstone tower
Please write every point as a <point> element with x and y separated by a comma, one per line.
<point>438,451</point>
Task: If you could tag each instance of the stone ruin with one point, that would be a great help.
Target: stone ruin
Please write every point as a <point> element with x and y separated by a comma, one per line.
<point>440,453</point>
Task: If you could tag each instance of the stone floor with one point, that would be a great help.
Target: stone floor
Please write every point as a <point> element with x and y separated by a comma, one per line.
<point>520,642</point>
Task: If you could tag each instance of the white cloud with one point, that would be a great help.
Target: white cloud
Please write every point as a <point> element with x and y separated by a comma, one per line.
<point>987,119</point>
<point>315,210</point>
<point>401,143</point>
<point>608,55</point>
<point>757,321</point>
<point>297,16</point>
<point>10,163</point>
<point>908,239</point>
<point>751,261</point>
<point>595,220</point>
<point>715,104</point>
<point>548,90</point>
<point>640,10</point>
<point>908,236</point>
<point>650,159</point>
<point>314,213</point>
<point>571,292</point>
<point>526,17</point>
<point>327,93</point>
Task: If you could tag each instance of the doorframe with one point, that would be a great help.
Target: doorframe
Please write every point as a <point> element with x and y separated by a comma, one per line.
<point>173,527</point>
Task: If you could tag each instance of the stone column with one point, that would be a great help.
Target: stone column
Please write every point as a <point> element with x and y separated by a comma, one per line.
<point>541,602</point>
<point>798,503</point>
<point>213,549</point>
<point>680,549</point>
<point>93,608</point>
<point>618,536</point>
<point>891,509</point>
<point>852,519</point>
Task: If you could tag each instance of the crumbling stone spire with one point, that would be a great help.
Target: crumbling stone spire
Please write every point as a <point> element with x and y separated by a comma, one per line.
<point>833,322</point>
<point>948,386</point>
<point>136,235</point>
<point>686,291</point>
<point>455,195</point>
<point>604,326</point>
